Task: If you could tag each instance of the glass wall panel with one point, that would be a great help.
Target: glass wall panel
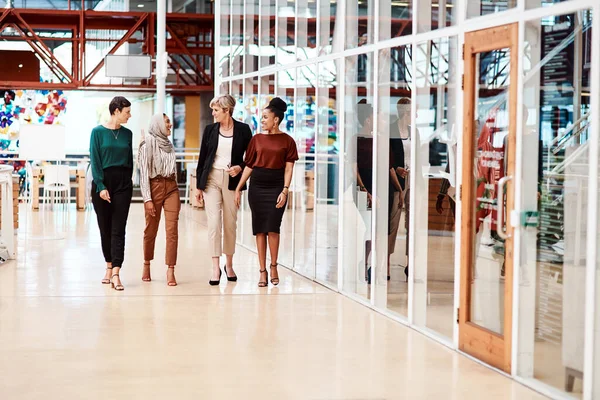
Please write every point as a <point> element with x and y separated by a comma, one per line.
<point>267,33</point>
<point>394,155</point>
<point>436,14</point>
<point>244,231</point>
<point>327,173</point>
<point>304,172</point>
<point>596,336</point>
<point>286,32</point>
<point>557,80</point>
<point>237,39</point>
<point>359,23</point>
<point>357,198</point>
<point>435,180</point>
<point>541,3</point>
<point>477,8</point>
<point>225,40</point>
<point>307,30</point>
<point>286,80</point>
<point>251,37</point>
<point>395,18</point>
<point>329,40</point>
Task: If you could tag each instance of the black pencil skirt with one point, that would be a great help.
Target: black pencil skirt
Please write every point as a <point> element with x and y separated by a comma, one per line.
<point>265,186</point>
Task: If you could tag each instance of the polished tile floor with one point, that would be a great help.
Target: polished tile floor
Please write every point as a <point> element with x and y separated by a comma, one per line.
<point>64,335</point>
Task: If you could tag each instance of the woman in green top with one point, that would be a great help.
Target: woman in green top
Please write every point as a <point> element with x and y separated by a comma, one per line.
<point>111,157</point>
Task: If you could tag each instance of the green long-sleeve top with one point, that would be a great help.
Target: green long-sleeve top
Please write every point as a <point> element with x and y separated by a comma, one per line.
<point>109,148</point>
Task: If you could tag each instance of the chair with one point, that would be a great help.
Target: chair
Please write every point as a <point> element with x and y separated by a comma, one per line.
<point>189,167</point>
<point>57,181</point>
<point>88,186</point>
<point>28,192</point>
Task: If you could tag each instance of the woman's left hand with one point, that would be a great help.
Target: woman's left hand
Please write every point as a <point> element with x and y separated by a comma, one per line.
<point>237,199</point>
<point>281,199</point>
<point>234,171</point>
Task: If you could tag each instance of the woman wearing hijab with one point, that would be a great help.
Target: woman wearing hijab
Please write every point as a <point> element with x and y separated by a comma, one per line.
<point>156,159</point>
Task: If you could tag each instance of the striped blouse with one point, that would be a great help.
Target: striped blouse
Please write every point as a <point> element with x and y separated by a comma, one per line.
<point>161,164</point>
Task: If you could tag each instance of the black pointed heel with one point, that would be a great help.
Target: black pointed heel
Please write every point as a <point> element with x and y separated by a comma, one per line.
<point>232,278</point>
<point>215,283</point>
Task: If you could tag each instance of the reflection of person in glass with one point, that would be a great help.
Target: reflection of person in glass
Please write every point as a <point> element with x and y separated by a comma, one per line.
<point>364,168</point>
<point>400,147</point>
<point>158,184</point>
<point>220,164</point>
<point>270,159</point>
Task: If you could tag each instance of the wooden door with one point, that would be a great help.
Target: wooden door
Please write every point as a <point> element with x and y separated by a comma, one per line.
<point>489,138</point>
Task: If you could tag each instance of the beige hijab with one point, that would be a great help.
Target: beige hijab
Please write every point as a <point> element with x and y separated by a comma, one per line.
<point>158,130</point>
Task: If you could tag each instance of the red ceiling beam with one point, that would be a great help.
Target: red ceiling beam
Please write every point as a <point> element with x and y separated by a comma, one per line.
<point>189,71</point>
<point>130,33</point>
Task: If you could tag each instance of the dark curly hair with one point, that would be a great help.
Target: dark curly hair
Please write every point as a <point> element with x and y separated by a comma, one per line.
<point>277,107</point>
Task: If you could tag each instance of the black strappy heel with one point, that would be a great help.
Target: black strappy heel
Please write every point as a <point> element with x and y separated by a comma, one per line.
<point>116,287</point>
<point>265,282</point>
<point>275,281</point>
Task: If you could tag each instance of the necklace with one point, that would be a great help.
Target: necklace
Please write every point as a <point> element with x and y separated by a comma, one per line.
<point>116,135</point>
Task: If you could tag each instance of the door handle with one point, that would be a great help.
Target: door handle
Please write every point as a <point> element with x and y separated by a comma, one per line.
<point>500,201</point>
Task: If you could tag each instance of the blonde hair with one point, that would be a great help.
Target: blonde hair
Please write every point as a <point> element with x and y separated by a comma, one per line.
<point>224,101</point>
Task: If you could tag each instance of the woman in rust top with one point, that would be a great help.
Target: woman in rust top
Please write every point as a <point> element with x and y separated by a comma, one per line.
<point>270,159</point>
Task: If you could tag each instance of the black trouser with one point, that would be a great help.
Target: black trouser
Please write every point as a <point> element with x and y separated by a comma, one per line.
<point>112,217</point>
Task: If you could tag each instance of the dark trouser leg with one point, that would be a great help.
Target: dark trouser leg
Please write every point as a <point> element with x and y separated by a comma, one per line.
<point>120,211</point>
<point>104,216</point>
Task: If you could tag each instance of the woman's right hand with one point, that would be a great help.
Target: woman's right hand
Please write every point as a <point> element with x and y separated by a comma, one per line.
<point>200,196</point>
<point>104,195</point>
<point>149,208</point>
<point>237,198</point>
<point>403,172</point>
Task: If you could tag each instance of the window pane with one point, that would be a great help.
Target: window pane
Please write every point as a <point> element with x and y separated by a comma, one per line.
<point>395,19</point>
<point>237,40</point>
<point>477,8</point>
<point>394,154</point>
<point>285,90</point>
<point>358,182</point>
<point>329,13</point>
<point>251,36</point>
<point>328,163</point>
<point>359,23</point>
<point>307,30</point>
<point>225,39</point>
<point>286,47</point>
<point>436,14</point>
<point>267,33</point>
<point>435,180</point>
<point>557,80</point>
<point>541,3</point>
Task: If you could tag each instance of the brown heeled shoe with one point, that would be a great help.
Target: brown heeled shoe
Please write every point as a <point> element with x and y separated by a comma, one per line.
<point>173,282</point>
<point>146,273</point>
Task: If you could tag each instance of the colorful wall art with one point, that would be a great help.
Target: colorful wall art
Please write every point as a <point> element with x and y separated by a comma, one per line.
<point>18,107</point>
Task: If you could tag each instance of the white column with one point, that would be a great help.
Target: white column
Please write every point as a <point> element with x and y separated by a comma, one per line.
<point>161,55</point>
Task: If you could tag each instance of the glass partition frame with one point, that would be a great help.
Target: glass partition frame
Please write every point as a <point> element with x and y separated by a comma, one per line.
<point>332,46</point>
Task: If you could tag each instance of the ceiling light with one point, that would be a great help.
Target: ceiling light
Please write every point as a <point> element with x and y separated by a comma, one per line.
<point>140,6</point>
<point>20,65</point>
